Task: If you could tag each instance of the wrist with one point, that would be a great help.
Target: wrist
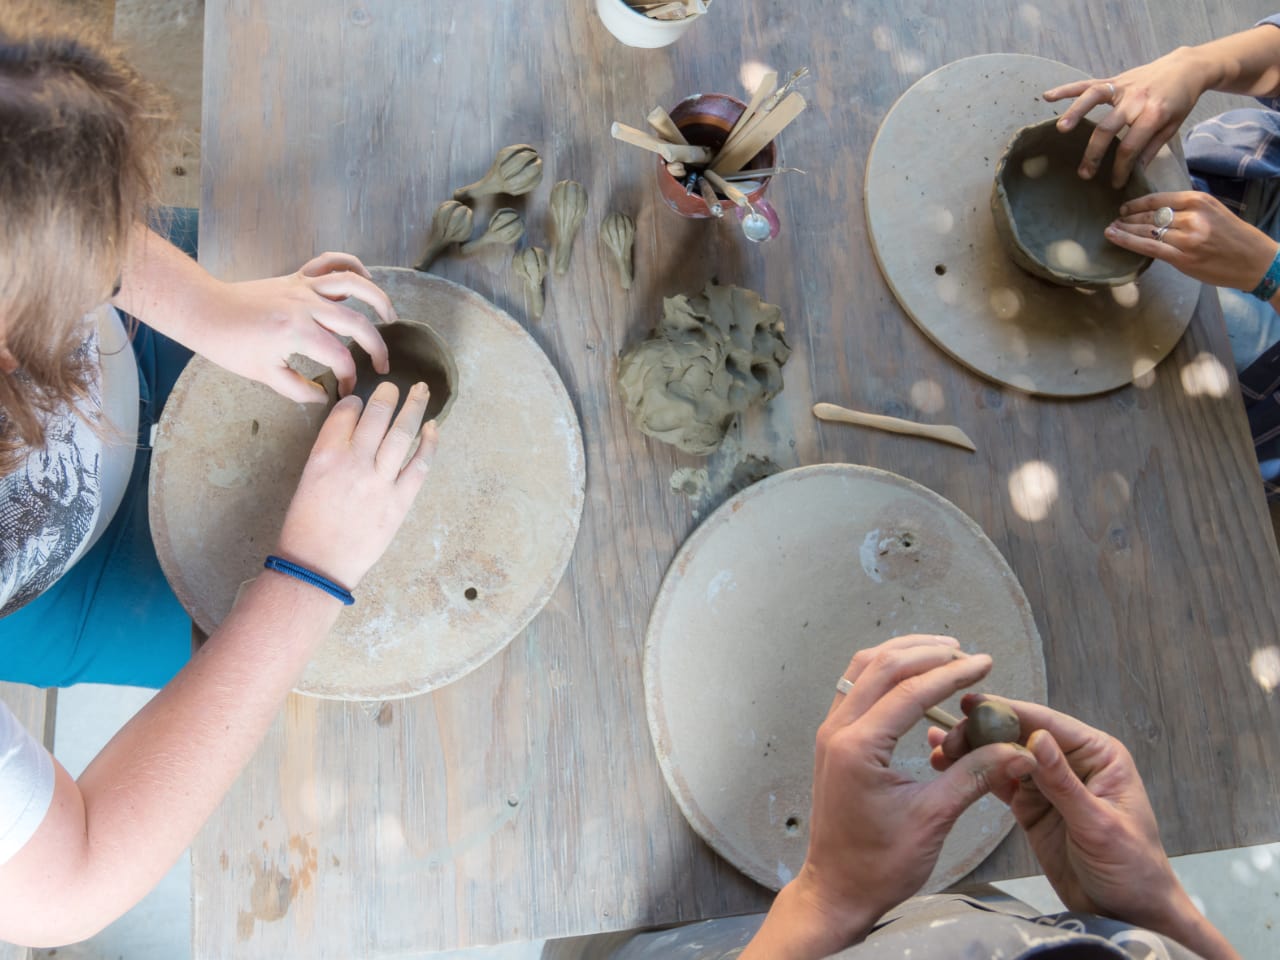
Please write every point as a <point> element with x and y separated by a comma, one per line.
<point>804,924</point>
<point>1201,68</point>
<point>1180,920</point>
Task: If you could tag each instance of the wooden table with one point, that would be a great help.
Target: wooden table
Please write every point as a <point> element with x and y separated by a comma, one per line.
<point>524,801</point>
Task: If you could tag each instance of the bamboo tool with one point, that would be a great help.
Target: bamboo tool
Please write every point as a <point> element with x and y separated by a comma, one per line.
<point>943,719</point>
<point>755,226</point>
<point>942,433</point>
<point>787,87</point>
<point>764,89</point>
<point>756,134</point>
<point>671,152</point>
<point>677,170</point>
<point>661,121</point>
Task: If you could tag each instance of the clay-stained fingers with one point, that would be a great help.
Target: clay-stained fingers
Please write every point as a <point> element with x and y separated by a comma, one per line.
<point>332,261</point>
<point>1134,146</point>
<point>329,351</point>
<point>1141,241</point>
<point>344,284</point>
<point>1088,94</point>
<point>1158,140</point>
<point>414,473</point>
<point>352,323</point>
<point>372,428</point>
<point>339,425</point>
<point>399,440</point>
<point>1177,200</point>
<point>1099,141</point>
<point>864,658</point>
<point>903,706</point>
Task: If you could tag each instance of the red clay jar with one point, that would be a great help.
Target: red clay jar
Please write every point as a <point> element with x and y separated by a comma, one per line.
<point>705,119</point>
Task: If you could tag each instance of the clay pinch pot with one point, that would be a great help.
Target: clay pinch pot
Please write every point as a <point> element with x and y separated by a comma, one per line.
<point>418,355</point>
<point>1051,221</point>
<point>705,119</point>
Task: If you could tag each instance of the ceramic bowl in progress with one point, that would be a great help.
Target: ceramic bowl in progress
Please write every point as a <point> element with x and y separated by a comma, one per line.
<point>1050,220</point>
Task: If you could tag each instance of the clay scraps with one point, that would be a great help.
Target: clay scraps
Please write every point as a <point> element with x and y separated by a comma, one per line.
<point>711,358</point>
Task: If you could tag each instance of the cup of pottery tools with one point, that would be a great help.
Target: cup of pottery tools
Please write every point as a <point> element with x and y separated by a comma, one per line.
<point>649,23</point>
<point>705,120</point>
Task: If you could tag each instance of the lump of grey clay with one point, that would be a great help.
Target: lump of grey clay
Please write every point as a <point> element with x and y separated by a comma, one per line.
<point>1050,221</point>
<point>711,358</point>
<point>991,722</point>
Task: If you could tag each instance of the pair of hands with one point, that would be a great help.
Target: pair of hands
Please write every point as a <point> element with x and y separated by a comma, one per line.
<point>1205,241</point>
<point>876,833</point>
<point>356,487</point>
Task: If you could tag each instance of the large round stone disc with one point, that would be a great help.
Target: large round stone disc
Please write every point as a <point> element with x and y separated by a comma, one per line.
<point>485,544</point>
<point>759,615</point>
<point>928,194</point>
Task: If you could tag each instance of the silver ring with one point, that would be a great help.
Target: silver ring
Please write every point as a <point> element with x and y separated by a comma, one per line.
<point>1159,233</point>
<point>1164,217</point>
<point>1111,87</point>
<point>844,685</point>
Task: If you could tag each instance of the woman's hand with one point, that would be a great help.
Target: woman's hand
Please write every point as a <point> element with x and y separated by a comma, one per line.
<point>1151,101</point>
<point>356,487</point>
<point>875,833</point>
<point>1205,240</point>
<point>259,324</point>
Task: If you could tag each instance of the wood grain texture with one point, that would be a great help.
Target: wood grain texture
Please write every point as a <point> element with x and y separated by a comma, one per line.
<point>35,710</point>
<point>525,801</point>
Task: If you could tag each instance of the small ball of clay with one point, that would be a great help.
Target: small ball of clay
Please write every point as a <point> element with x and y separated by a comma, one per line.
<point>991,722</point>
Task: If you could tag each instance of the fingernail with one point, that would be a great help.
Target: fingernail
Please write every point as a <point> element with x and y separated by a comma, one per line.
<point>420,387</point>
<point>1020,766</point>
<point>1085,173</point>
<point>1112,230</point>
<point>1064,123</point>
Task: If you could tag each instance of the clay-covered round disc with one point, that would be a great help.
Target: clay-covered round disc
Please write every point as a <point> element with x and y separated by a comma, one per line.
<point>928,197</point>
<point>758,617</point>
<point>484,546</point>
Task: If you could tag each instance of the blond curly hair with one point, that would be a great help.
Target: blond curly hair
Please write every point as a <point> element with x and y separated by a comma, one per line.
<point>79,130</point>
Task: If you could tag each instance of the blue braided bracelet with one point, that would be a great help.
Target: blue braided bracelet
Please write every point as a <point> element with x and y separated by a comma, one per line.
<point>281,565</point>
<point>1266,288</point>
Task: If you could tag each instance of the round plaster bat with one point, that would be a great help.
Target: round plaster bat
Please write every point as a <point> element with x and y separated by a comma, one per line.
<point>1051,221</point>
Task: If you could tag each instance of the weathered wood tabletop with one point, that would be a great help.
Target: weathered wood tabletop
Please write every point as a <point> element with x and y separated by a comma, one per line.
<point>525,801</point>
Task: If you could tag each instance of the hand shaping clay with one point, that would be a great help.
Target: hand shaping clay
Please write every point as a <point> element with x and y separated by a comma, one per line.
<point>712,357</point>
<point>505,227</point>
<point>418,355</point>
<point>530,265</point>
<point>1050,220</point>
<point>991,722</point>
<point>516,170</point>
<point>568,207</point>
<point>618,232</point>
<point>451,223</point>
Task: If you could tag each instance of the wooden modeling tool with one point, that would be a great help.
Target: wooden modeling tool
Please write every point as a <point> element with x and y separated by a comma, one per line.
<point>728,189</point>
<point>661,121</point>
<point>751,140</point>
<point>709,195</point>
<point>764,89</point>
<point>760,174</point>
<point>909,428</point>
<point>671,152</point>
<point>943,719</point>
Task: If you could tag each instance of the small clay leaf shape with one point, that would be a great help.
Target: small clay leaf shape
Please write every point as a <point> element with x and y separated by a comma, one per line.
<point>618,233</point>
<point>530,265</point>
<point>568,207</point>
<point>451,223</point>
<point>516,170</point>
<point>505,226</point>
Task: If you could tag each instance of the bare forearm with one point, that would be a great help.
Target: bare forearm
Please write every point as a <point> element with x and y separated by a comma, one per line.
<point>1187,925</point>
<point>144,797</point>
<point>1247,62</point>
<point>165,288</point>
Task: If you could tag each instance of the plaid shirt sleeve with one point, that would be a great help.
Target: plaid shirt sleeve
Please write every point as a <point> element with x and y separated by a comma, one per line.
<point>1223,154</point>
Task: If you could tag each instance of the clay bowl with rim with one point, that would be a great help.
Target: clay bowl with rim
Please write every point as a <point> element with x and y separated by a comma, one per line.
<point>1050,221</point>
<point>418,355</point>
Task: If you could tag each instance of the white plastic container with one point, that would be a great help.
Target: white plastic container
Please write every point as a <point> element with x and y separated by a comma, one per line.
<point>635,29</point>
